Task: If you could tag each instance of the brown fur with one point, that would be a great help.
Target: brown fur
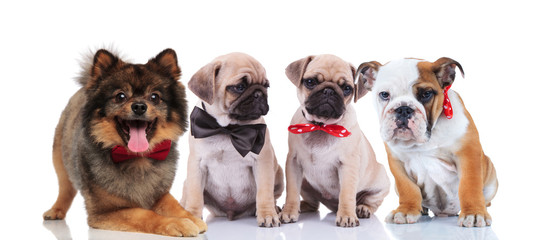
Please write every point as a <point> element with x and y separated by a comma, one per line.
<point>476,171</point>
<point>409,193</point>
<point>132,195</point>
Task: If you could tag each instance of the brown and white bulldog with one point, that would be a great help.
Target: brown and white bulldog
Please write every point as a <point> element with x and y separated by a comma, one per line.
<point>431,141</point>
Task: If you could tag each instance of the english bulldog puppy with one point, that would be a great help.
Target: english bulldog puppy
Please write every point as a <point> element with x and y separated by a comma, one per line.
<point>431,141</point>
<point>330,161</point>
<point>232,168</point>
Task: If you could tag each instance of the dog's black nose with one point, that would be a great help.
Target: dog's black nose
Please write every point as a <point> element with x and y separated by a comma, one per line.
<point>328,91</point>
<point>139,108</point>
<point>257,94</point>
<point>403,114</point>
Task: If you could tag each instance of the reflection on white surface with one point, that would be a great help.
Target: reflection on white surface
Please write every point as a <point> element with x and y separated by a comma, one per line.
<point>438,228</point>
<point>59,228</point>
<point>95,234</point>
<point>309,226</point>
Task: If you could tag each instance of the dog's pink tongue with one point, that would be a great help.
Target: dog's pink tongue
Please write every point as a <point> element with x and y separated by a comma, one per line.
<point>137,137</point>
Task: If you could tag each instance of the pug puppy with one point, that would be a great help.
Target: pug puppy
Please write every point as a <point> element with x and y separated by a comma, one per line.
<point>336,170</point>
<point>225,173</point>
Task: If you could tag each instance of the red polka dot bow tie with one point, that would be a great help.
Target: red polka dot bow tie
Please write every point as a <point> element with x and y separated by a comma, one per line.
<point>159,152</point>
<point>335,130</point>
<point>448,109</point>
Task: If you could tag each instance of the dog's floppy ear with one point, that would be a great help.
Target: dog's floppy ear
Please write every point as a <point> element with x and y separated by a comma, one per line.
<point>295,70</point>
<point>166,64</point>
<point>354,76</point>
<point>202,83</point>
<point>366,75</point>
<point>444,68</point>
<point>103,64</point>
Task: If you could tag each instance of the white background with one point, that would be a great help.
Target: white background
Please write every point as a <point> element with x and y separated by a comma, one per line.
<point>495,42</point>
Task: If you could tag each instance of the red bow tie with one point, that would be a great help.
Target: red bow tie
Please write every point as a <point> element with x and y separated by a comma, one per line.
<point>159,152</point>
<point>448,109</point>
<point>335,130</point>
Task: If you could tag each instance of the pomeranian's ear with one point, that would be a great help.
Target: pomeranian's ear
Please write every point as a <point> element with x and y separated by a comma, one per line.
<point>166,64</point>
<point>104,63</point>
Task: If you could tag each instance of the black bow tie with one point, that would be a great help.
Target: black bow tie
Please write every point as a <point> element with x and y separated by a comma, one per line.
<point>245,138</point>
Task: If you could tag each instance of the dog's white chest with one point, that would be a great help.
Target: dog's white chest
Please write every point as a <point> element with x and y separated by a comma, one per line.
<point>437,178</point>
<point>321,171</point>
<point>230,179</point>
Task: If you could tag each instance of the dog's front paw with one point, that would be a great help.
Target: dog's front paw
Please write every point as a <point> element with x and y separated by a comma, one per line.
<point>268,218</point>
<point>401,216</point>
<point>177,227</point>
<point>202,226</point>
<point>346,219</point>
<point>54,214</point>
<point>289,214</point>
<point>468,219</point>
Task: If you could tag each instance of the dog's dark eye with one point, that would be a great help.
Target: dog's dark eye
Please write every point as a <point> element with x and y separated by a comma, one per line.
<point>239,88</point>
<point>384,96</point>
<point>310,83</point>
<point>347,90</point>
<point>155,98</point>
<point>426,96</point>
<point>121,97</point>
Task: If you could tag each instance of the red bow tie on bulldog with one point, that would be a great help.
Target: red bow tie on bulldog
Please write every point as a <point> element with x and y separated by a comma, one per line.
<point>448,109</point>
<point>335,130</point>
<point>159,152</point>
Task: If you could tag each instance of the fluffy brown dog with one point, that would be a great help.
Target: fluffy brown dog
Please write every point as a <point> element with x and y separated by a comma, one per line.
<point>112,144</point>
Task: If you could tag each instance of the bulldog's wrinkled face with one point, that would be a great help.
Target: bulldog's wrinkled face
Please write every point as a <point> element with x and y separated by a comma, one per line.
<point>325,86</point>
<point>409,97</point>
<point>234,86</point>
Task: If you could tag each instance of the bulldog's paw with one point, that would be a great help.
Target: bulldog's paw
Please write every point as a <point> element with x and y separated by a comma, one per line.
<point>474,220</point>
<point>177,227</point>
<point>268,218</point>
<point>54,214</point>
<point>363,211</point>
<point>289,214</point>
<point>401,216</point>
<point>346,219</point>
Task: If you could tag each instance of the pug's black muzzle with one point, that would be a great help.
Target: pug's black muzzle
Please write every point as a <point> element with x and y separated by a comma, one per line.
<point>325,103</point>
<point>252,104</point>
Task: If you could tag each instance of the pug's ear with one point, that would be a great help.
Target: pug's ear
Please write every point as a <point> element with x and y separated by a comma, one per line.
<point>166,64</point>
<point>104,63</point>
<point>366,75</point>
<point>202,83</point>
<point>295,70</point>
<point>444,68</point>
